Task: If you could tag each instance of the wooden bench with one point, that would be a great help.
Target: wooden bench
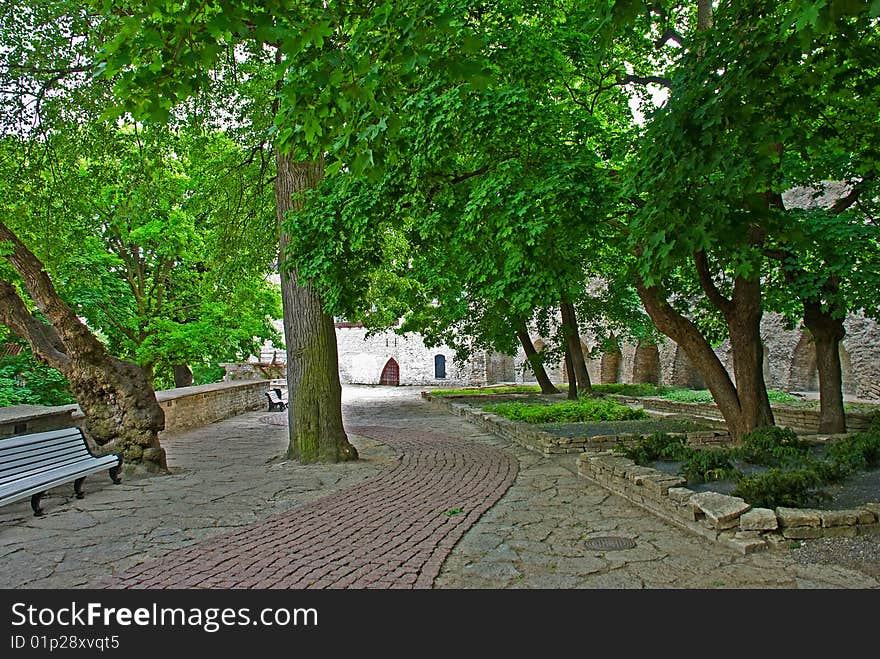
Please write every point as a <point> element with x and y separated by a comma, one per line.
<point>275,400</point>
<point>31,464</point>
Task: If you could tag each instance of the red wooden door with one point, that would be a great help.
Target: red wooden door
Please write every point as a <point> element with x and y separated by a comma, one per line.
<point>390,374</point>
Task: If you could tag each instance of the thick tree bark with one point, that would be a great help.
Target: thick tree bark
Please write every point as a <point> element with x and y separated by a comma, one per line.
<point>572,378</point>
<point>535,362</point>
<point>119,404</point>
<point>315,393</point>
<point>739,405</point>
<point>183,375</point>
<point>827,331</point>
<point>573,344</point>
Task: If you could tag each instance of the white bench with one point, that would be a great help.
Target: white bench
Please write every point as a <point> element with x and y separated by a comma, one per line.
<point>276,402</point>
<point>31,464</point>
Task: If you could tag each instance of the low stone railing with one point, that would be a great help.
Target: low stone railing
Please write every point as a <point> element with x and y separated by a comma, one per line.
<point>725,519</point>
<point>185,408</point>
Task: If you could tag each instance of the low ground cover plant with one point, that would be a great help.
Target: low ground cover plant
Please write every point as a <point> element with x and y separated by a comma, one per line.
<point>486,391</point>
<point>792,472</point>
<point>587,409</point>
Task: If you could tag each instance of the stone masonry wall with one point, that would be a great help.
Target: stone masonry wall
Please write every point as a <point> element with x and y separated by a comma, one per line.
<point>362,358</point>
<point>191,407</point>
<point>185,408</point>
<point>789,360</point>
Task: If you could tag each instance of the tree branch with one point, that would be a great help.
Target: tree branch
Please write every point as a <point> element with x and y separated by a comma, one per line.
<point>625,79</point>
<point>701,261</point>
<point>42,338</point>
<point>845,202</point>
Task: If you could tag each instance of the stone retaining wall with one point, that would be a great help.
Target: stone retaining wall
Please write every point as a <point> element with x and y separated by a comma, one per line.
<point>185,408</point>
<point>548,443</point>
<point>799,419</point>
<point>719,517</point>
<point>191,407</point>
<point>727,520</point>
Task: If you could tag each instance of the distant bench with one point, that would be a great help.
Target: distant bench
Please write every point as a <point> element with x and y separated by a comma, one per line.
<point>276,402</point>
<point>31,464</point>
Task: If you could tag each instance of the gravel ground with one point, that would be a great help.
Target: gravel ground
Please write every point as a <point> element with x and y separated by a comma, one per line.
<point>860,553</point>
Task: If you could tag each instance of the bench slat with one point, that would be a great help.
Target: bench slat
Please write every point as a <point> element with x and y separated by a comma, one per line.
<point>71,445</point>
<point>32,470</point>
<point>35,464</point>
<point>23,440</point>
<point>12,453</point>
<point>42,481</point>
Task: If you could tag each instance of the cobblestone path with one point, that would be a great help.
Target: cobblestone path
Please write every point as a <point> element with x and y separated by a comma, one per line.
<point>391,531</point>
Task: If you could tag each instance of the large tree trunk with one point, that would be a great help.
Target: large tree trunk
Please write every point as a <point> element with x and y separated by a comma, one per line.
<point>120,407</point>
<point>573,344</point>
<point>183,375</point>
<point>315,393</point>
<point>534,360</point>
<point>747,350</point>
<point>827,332</point>
<point>742,416</point>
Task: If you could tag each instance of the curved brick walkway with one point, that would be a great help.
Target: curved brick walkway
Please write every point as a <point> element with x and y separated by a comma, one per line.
<point>392,531</point>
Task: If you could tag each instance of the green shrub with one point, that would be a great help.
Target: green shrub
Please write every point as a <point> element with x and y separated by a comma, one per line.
<point>781,487</point>
<point>774,446</point>
<point>705,396</point>
<point>639,390</point>
<point>855,453</point>
<point>777,396</point>
<point>658,446</point>
<point>688,396</point>
<point>708,465</point>
<point>590,409</point>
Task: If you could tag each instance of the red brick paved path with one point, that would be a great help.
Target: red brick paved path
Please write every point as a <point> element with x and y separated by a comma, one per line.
<point>391,531</point>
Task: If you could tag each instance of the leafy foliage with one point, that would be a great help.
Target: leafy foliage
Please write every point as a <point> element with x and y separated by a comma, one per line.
<point>26,381</point>
<point>590,409</point>
<point>657,446</point>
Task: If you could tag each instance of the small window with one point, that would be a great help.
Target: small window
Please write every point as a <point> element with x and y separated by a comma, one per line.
<point>439,366</point>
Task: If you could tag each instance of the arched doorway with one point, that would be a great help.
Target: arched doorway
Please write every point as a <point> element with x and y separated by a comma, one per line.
<point>647,363</point>
<point>439,366</point>
<point>390,374</point>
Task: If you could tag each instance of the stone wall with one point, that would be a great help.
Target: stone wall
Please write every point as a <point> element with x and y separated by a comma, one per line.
<point>727,520</point>
<point>362,359</point>
<point>789,360</point>
<point>23,419</point>
<point>185,408</point>
<point>191,407</point>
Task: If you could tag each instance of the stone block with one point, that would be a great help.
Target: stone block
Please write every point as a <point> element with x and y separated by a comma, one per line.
<point>744,546</point>
<point>794,517</point>
<point>659,486</point>
<point>721,510</point>
<point>874,507</point>
<point>806,532</point>
<point>680,494</point>
<point>839,517</point>
<point>758,519</point>
<point>866,516</point>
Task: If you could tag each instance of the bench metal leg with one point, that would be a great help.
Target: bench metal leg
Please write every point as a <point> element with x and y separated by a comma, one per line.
<point>78,487</point>
<point>35,504</point>
<point>114,474</point>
